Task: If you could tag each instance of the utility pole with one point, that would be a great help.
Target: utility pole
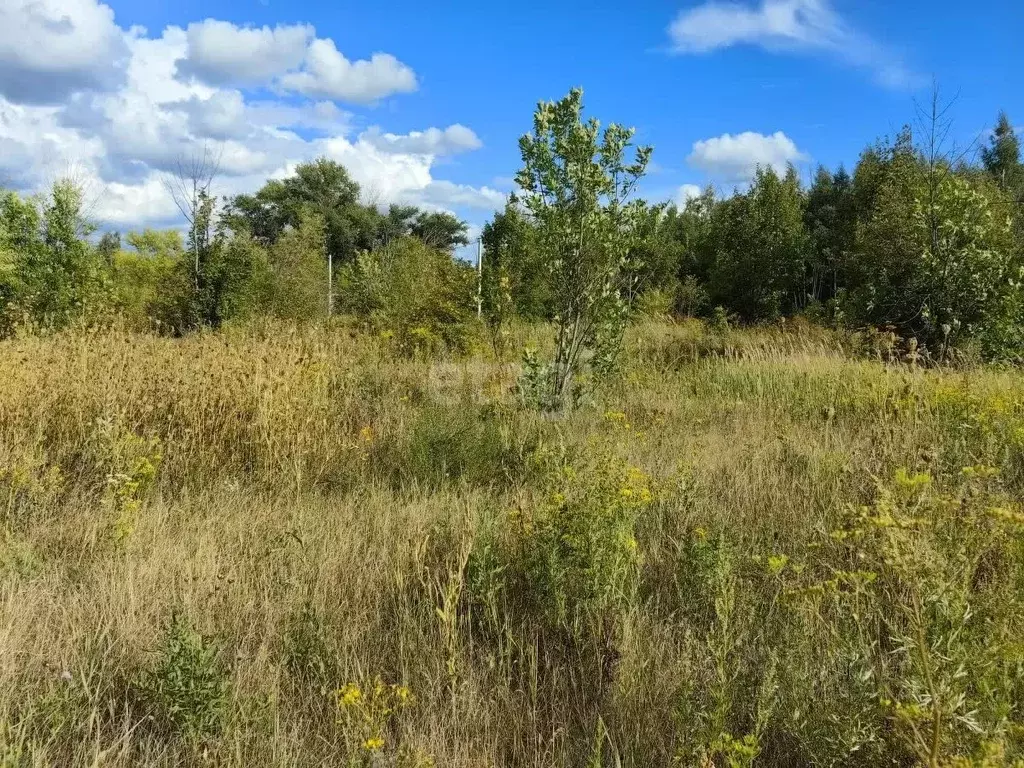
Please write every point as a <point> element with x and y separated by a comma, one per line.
<point>479,277</point>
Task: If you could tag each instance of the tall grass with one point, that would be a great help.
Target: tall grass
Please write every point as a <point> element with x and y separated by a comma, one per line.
<point>291,547</point>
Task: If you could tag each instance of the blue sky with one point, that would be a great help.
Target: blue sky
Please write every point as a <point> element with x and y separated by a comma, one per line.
<point>434,117</point>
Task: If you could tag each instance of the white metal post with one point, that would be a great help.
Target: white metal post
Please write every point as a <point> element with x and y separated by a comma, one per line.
<point>330,283</point>
<point>479,278</point>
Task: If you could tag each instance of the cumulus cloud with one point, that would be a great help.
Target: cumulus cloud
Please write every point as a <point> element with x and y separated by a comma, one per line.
<point>35,148</point>
<point>129,205</point>
<point>445,194</point>
<point>786,25</point>
<point>433,141</point>
<point>221,115</point>
<point>221,53</point>
<point>52,48</point>
<point>137,124</point>
<point>735,158</point>
<point>327,74</point>
<point>175,95</point>
<point>289,58</point>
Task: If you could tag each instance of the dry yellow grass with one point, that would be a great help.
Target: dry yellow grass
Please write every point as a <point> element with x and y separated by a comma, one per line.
<point>314,514</point>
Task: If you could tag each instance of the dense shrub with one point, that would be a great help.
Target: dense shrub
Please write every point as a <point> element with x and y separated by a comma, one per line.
<point>418,297</point>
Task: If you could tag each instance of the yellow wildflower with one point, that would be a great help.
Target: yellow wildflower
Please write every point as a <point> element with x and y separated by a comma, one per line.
<point>350,695</point>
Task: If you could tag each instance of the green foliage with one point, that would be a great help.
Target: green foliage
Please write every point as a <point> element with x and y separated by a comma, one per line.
<point>939,569</point>
<point>759,266</point>
<point>322,187</point>
<point>440,230</point>
<point>420,298</point>
<point>137,285</point>
<point>156,243</point>
<point>935,258</point>
<point>1002,157</point>
<point>296,281</point>
<point>577,183</point>
<point>186,689</point>
<point>108,246</point>
<point>581,551</point>
<point>569,561</point>
<point>515,276</point>
<point>692,298</point>
<point>49,273</point>
<point>129,465</point>
<point>831,220</point>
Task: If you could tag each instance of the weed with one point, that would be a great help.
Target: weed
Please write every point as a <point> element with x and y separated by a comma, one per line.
<point>186,689</point>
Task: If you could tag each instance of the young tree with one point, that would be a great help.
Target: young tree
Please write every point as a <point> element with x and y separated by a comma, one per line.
<point>831,220</point>
<point>515,277</point>
<point>761,249</point>
<point>577,184</point>
<point>419,296</point>
<point>688,234</point>
<point>934,255</point>
<point>54,273</point>
<point>295,287</point>
<point>1002,157</point>
<point>190,189</point>
<point>108,246</point>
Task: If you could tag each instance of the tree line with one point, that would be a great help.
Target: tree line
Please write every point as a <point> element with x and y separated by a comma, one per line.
<point>918,240</point>
<point>250,255</point>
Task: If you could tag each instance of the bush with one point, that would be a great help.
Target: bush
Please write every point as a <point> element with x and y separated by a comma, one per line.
<point>420,298</point>
<point>691,298</point>
<point>655,303</point>
<point>941,572</point>
<point>572,558</point>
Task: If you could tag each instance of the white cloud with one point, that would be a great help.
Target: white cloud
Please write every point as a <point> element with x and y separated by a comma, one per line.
<point>685,194</point>
<point>126,140</point>
<point>52,48</point>
<point>388,176</point>
<point>137,124</point>
<point>35,149</point>
<point>327,74</point>
<point>128,205</point>
<point>793,25</point>
<point>433,141</point>
<point>445,194</point>
<point>221,53</point>
<point>290,58</point>
<point>735,158</point>
<point>222,115</point>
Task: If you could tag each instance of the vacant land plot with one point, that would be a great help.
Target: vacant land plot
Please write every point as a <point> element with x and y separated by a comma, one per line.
<point>292,548</point>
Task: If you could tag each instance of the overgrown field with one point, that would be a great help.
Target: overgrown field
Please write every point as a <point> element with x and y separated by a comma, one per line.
<point>293,548</point>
